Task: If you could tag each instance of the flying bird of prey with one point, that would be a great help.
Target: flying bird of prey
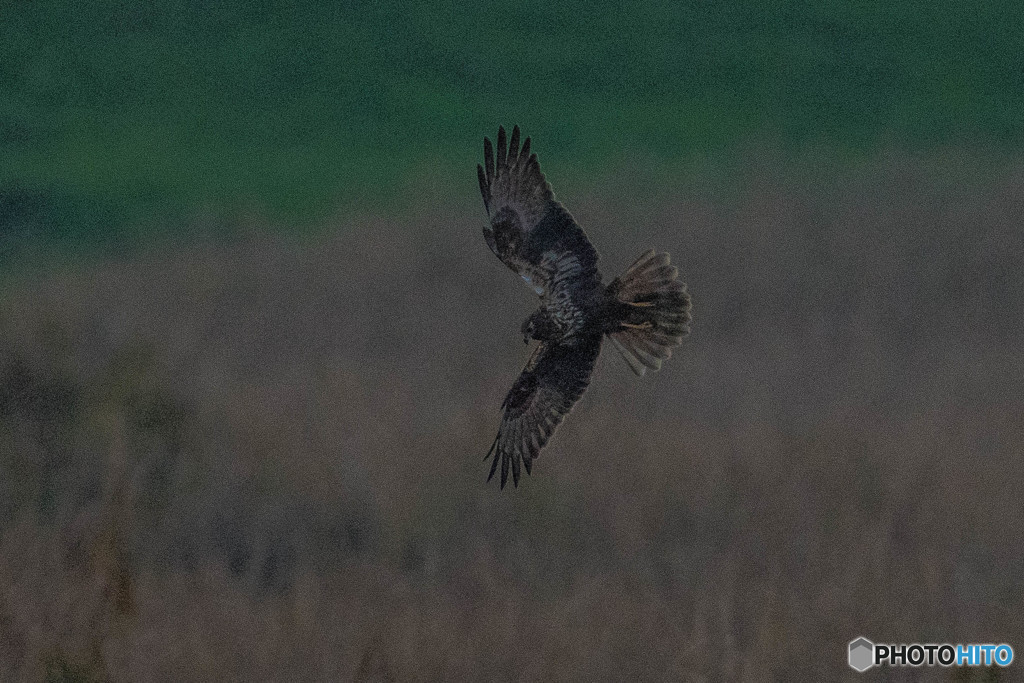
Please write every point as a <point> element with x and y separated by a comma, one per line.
<point>645,311</point>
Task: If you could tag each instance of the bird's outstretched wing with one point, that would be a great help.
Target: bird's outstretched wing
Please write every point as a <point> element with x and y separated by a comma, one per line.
<point>550,384</point>
<point>530,231</point>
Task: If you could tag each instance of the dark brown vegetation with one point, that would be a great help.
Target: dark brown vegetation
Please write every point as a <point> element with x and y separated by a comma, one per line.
<point>262,461</point>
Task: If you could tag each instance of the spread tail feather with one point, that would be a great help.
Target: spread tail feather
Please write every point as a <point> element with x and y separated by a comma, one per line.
<point>655,312</point>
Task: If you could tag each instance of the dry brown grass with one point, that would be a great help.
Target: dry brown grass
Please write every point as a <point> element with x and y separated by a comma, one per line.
<point>262,460</point>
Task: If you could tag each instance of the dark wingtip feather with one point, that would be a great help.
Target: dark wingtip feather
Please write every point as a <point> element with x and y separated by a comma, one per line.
<point>489,160</point>
<point>494,445</point>
<point>504,469</point>
<point>494,464</point>
<point>513,147</point>
<point>533,167</point>
<point>524,153</point>
<point>528,463</point>
<point>502,149</point>
<point>515,470</point>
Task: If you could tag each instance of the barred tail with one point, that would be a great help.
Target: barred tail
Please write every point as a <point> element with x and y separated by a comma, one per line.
<point>655,312</point>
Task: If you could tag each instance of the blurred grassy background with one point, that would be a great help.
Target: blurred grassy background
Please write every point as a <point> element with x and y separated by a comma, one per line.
<point>120,110</point>
<point>250,448</point>
<point>261,460</point>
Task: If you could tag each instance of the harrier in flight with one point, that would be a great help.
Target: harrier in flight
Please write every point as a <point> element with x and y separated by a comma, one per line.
<point>645,311</point>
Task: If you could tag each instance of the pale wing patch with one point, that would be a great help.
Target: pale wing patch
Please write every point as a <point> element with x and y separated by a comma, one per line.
<point>537,288</point>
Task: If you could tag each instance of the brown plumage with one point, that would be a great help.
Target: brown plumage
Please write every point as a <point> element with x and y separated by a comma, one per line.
<point>645,311</point>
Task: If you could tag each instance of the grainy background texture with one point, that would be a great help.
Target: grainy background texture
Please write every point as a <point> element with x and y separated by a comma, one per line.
<point>253,345</point>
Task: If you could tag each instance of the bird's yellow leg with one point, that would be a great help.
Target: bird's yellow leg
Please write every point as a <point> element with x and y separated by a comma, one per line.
<point>639,304</point>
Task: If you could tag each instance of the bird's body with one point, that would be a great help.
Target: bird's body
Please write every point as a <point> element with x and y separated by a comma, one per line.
<point>645,312</point>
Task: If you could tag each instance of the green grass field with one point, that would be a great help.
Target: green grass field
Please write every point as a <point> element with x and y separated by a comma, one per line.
<point>111,112</point>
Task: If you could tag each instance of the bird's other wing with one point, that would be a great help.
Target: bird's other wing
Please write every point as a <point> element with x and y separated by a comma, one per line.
<point>550,384</point>
<point>530,231</point>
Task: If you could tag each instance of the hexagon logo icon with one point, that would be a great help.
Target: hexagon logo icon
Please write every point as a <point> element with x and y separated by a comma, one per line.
<point>862,654</point>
